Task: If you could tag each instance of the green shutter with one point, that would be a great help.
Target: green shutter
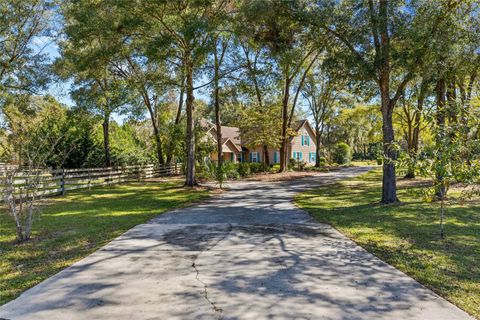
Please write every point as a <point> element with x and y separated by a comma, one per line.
<point>250,156</point>
<point>275,157</point>
<point>301,155</point>
<point>308,140</point>
<point>302,139</point>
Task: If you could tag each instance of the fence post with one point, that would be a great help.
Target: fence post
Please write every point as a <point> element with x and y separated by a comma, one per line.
<point>176,170</point>
<point>62,183</point>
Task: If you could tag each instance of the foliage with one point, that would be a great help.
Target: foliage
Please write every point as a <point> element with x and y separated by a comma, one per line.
<point>342,153</point>
<point>244,169</point>
<point>24,62</point>
<point>260,126</point>
<point>322,161</point>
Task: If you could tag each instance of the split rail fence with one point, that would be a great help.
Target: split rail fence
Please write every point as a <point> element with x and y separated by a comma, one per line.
<point>58,181</point>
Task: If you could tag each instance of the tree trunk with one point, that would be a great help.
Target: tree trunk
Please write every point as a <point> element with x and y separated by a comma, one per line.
<point>389,183</point>
<point>190,137</point>
<point>441,135</point>
<point>317,146</point>
<point>158,142</point>
<point>177,121</point>
<point>218,124</point>
<point>382,44</point>
<point>284,146</point>
<point>413,145</point>
<point>106,139</point>
<point>266,156</point>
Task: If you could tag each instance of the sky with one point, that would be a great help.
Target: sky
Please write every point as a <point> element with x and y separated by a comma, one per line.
<point>61,90</point>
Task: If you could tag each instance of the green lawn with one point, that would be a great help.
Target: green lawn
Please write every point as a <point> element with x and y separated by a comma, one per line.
<point>77,224</point>
<point>407,235</point>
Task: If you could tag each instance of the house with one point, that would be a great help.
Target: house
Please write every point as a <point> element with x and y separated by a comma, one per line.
<point>302,146</point>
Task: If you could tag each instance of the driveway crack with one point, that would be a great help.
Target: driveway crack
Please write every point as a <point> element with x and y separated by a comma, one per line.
<point>215,308</point>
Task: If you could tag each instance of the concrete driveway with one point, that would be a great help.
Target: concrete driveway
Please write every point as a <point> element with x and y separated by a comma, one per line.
<point>246,254</point>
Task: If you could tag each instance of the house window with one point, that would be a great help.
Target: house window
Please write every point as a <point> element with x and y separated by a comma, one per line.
<point>240,157</point>
<point>305,139</point>
<point>254,157</point>
<point>312,156</point>
<point>297,155</point>
<point>276,157</point>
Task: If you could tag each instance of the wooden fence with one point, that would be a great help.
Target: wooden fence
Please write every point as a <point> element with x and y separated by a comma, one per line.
<point>59,181</point>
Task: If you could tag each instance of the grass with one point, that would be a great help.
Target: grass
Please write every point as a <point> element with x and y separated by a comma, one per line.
<point>407,235</point>
<point>364,163</point>
<point>71,227</point>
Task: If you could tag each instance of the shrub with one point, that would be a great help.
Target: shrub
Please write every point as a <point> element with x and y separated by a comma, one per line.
<point>206,170</point>
<point>301,165</point>
<point>258,167</point>
<point>379,161</point>
<point>317,169</point>
<point>322,161</point>
<point>292,164</point>
<point>230,170</point>
<point>342,153</point>
<point>244,169</point>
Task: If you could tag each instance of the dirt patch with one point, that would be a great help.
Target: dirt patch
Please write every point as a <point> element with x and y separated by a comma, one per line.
<point>412,183</point>
<point>286,176</point>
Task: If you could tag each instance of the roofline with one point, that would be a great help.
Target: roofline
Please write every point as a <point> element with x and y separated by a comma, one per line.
<point>239,149</point>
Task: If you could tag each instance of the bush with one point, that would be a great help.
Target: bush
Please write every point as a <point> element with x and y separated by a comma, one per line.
<point>379,161</point>
<point>230,170</point>
<point>206,170</point>
<point>258,167</point>
<point>244,169</point>
<point>317,169</point>
<point>322,161</point>
<point>292,164</point>
<point>301,165</point>
<point>342,153</point>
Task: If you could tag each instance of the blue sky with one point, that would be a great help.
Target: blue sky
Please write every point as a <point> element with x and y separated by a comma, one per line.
<point>61,90</point>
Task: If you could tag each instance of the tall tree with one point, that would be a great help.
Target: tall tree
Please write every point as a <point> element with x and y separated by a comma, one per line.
<point>273,25</point>
<point>103,95</point>
<point>184,30</point>
<point>385,42</point>
<point>322,91</point>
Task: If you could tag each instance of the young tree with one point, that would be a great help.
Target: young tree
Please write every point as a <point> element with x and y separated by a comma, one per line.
<point>36,126</point>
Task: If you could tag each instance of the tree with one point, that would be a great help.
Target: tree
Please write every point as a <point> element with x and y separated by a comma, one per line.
<point>274,27</point>
<point>184,31</point>
<point>36,127</point>
<point>113,40</point>
<point>385,42</point>
<point>413,120</point>
<point>104,96</point>
<point>260,126</point>
<point>322,91</point>
<point>23,65</point>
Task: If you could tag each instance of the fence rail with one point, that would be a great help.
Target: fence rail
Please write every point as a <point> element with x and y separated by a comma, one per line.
<point>59,181</point>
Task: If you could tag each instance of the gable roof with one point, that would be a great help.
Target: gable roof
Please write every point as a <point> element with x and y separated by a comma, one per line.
<point>231,134</point>
<point>234,135</point>
<point>301,123</point>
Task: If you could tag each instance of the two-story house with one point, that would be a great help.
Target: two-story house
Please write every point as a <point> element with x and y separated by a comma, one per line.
<point>301,147</point>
